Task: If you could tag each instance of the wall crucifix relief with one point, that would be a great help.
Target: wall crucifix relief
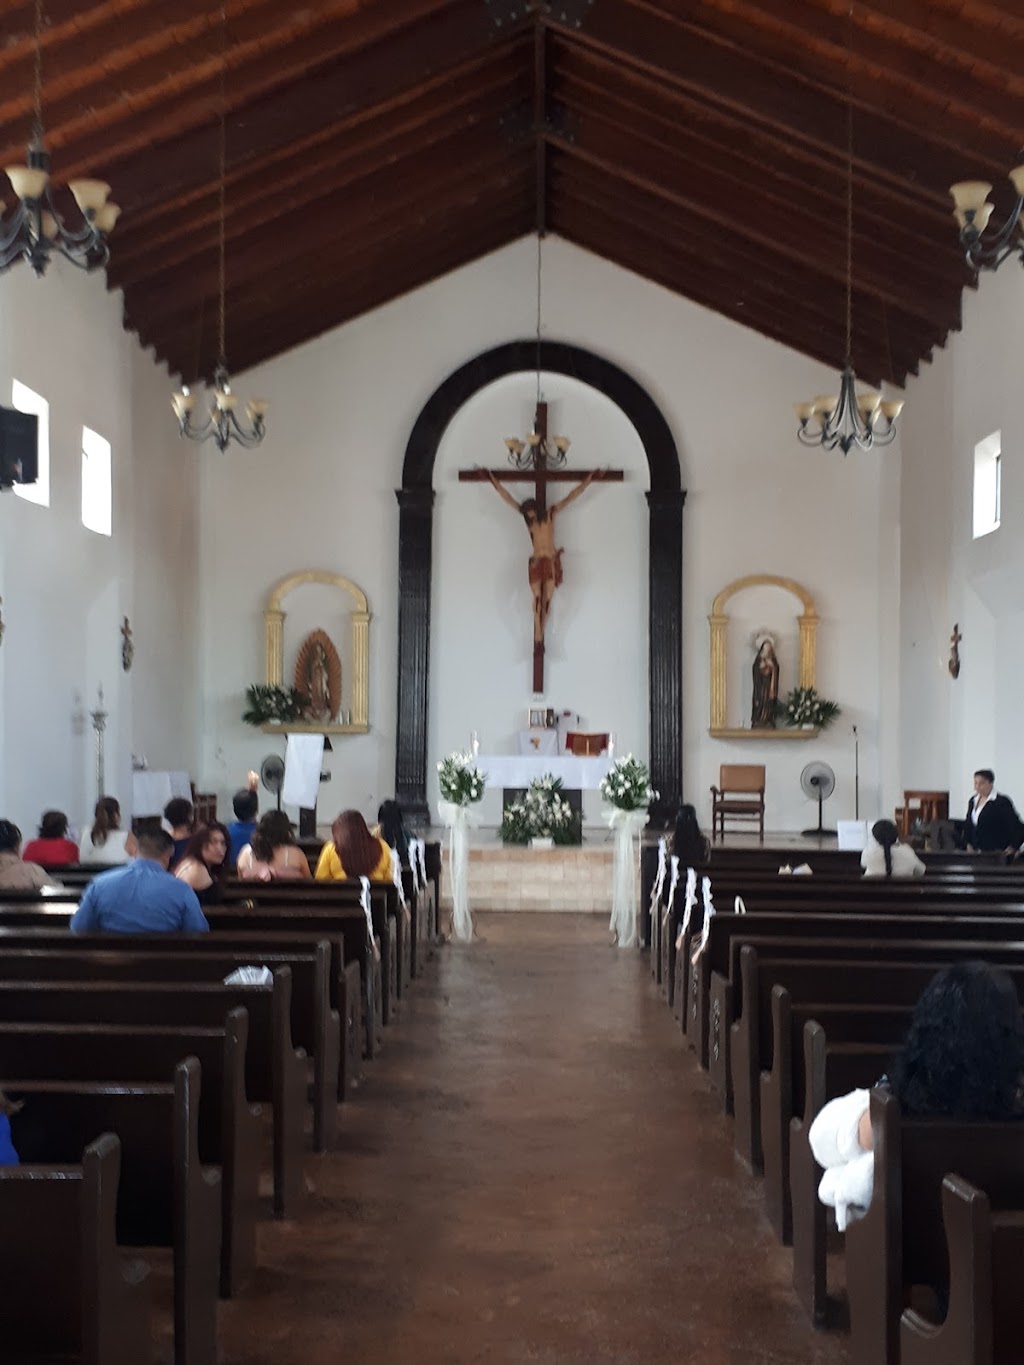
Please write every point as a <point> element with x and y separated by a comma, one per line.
<point>539,467</point>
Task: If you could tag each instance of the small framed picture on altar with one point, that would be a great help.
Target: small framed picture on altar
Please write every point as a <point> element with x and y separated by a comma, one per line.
<point>536,717</point>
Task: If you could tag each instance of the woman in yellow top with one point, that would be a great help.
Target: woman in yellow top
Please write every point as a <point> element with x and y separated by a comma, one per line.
<point>353,852</point>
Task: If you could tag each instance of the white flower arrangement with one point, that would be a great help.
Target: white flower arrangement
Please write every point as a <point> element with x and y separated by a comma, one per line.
<point>459,779</point>
<point>627,785</point>
<point>542,813</point>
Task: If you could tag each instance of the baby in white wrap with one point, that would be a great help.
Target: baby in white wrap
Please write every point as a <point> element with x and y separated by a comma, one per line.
<point>835,1138</point>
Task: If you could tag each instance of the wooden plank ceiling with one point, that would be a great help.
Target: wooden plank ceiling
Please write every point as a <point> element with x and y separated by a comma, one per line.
<point>373,145</point>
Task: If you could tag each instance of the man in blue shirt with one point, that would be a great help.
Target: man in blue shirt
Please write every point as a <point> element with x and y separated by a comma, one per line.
<point>247,808</point>
<point>141,897</point>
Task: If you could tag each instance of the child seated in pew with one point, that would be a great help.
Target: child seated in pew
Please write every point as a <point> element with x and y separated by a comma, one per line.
<point>273,854</point>
<point>8,1155</point>
<point>353,852</point>
<point>963,1058</point>
<point>886,856</point>
<point>689,845</point>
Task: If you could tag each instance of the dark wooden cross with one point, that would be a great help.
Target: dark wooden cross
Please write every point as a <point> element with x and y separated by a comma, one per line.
<point>540,473</point>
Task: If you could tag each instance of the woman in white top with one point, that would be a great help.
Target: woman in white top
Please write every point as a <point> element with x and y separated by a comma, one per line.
<point>885,856</point>
<point>105,841</point>
<point>273,854</point>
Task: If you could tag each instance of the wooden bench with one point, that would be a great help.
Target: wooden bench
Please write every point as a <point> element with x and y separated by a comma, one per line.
<point>899,1243</point>
<point>59,1249</point>
<point>165,1198</point>
<point>275,1071</point>
<point>316,1027</point>
<point>229,1127</point>
<point>984,1324</point>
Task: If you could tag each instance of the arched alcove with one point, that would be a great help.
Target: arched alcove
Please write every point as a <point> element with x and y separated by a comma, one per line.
<point>665,557</point>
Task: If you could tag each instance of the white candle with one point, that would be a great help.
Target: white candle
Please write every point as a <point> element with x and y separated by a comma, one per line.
<point>474,743</point>
<point>611,745</point>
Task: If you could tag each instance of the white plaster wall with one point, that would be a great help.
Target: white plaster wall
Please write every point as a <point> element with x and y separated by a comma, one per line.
<point>950,728</point>
<point>65,589</point>
<point>320,493</point>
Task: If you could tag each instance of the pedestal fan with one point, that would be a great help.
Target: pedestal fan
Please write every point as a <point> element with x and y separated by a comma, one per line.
<point>272,775</point>
<point>818,781</point>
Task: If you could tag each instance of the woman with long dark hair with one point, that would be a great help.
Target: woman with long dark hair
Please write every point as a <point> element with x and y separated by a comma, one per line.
<point>391,828</point>
<point>886,856</point>
<point>689,845</point>
<point>273,854</point>
<point>962,1058</point>
<point>353,852</point>
<point>204,863</point>
<point>105,841</point>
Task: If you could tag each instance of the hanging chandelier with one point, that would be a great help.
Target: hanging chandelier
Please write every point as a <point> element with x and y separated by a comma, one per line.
<point>849,418</point>
<point>35,229</point>
<point>222,426</point>
<point>973,211</point>
<point>535,452</point>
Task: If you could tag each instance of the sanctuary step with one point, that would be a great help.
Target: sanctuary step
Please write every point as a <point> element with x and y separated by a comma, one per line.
<point>515,878</point>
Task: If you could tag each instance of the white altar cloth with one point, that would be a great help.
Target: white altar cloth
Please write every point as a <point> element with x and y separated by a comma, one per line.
<point>518,770</point>
<point>152,789</point>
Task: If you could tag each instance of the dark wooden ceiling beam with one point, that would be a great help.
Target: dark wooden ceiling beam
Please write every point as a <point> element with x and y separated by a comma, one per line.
<point>755,219</point>
<point>731,259</point>
<point>379,272</point>
<point>881,77</point>
<point>337,216</point>
<point>695,155</point>
<point>739,81</point>
<point>150,156</point>
<point>675,119</point>
<point>146,256</point>
<point>702,289</point>
<point>880,342</point>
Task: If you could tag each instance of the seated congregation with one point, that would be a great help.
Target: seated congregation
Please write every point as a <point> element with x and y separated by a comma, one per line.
<point>177,1038</point>
<point>862,1027</point>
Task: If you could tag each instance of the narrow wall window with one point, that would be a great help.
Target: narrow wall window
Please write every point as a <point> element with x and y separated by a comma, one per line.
<point>988,481</point>
<point>25,400</point>
<point>96,483</point>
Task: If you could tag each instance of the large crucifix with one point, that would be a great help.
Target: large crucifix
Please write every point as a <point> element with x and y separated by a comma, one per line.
<point>540,468</point>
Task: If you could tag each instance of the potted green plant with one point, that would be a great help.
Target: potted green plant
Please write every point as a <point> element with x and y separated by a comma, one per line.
<point>805,709</point>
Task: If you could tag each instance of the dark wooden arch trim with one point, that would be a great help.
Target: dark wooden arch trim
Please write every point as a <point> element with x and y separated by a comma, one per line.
<point>415,548</point>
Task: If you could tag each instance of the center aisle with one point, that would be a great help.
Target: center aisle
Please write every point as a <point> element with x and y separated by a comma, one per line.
<point>534,1172</point>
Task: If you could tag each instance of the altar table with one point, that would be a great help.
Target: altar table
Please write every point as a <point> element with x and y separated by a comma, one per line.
<point>578,773</point>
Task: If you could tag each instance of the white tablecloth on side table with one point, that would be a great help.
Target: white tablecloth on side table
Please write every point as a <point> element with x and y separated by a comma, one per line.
<point>519,770</point>
<point>151,791</point>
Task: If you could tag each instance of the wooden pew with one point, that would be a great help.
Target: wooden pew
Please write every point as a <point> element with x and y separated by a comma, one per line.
<point>316,1027</point>
<point>984,1324</point>
<point>164,1197</point>
<point>344,980</point>
<point>275,1070</point>
<point>229,1127</point>
<point>899,1242</point>
<point>857,977</point>
<point>60,1249</point>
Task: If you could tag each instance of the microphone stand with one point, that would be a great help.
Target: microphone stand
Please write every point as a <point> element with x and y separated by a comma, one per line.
<point>856,774</point>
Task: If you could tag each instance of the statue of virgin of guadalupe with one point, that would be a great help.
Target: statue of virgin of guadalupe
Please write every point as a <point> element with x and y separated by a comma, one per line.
<point>766,686</point>
<point>318,684</point>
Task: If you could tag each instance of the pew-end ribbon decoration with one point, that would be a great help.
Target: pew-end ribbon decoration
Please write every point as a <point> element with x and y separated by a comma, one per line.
<point>627,787</point>
<point>461,785</point>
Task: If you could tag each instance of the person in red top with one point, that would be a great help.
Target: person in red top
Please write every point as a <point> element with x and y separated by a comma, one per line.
<point>53,848</point>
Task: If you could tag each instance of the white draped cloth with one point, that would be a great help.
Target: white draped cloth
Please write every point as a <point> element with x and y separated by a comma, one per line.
<point>626,825</point>
<point>303,760</point>
<point>458,820</point>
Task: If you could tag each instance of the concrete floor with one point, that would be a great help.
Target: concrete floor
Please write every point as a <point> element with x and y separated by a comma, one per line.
<point>535,1171</point>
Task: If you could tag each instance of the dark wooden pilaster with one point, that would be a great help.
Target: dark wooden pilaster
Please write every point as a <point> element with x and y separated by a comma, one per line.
<point>666,650</point>
<point>415,541</point>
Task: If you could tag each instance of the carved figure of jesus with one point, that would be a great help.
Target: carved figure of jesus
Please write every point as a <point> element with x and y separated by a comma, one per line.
<point>546,560</point>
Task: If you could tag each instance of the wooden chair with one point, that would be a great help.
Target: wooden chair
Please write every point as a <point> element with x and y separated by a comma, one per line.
<point>924,806</point>
<point>738,796</point>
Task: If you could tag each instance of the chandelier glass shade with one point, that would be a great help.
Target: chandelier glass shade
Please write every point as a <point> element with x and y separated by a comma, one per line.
<point>973,213</point>
<point>35,229</point>
<point>222,425</point>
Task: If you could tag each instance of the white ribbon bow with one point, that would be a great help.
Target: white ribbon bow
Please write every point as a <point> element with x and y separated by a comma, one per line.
<point>709,911</point>
<point>659,880</point>
<point>396,875</point>
<point>691,899</point>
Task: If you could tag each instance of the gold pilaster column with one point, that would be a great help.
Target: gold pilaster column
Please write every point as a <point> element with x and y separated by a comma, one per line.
<point>808,648</point>
<point>273,666</point>
<point>361,668</point>
<point>719,626</point>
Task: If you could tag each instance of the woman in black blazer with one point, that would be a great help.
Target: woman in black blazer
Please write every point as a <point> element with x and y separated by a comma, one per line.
<point>998,826</point>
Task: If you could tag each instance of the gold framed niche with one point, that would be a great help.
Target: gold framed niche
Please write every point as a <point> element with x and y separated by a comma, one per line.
<point>807,658</point>
<point>359,616</point>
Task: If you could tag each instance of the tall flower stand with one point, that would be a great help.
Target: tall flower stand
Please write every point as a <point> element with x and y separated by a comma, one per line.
<point>626,825</point>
